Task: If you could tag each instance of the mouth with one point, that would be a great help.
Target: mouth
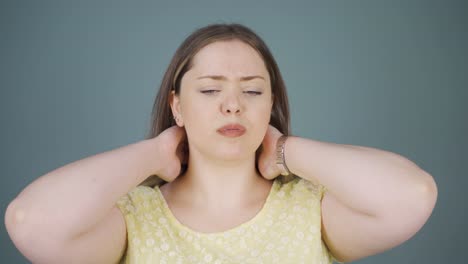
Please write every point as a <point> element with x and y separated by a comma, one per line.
<point>232,130</point>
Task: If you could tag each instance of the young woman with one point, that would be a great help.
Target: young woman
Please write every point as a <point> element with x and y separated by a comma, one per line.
<point>228,184</point>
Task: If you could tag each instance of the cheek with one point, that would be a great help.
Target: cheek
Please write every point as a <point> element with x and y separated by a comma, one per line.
<point>265,112</point>
<point>262,121</point>
<point>196,118</point>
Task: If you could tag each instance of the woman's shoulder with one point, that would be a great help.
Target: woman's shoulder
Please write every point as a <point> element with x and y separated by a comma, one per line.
<point>138,199</point>
<point>295,186</point>
<point>140,192</point>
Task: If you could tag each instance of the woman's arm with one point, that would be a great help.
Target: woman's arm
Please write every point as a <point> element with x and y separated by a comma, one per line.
<point>69,214</point>
<point>376,199</point>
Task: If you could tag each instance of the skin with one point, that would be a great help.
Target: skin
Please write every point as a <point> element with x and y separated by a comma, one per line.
<point>93,230</point>
<point>221,173</point>
<point>376,199</point>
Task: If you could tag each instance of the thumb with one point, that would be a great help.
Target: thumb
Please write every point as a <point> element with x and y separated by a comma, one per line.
<point>266,170</point>
<point>179,133</point>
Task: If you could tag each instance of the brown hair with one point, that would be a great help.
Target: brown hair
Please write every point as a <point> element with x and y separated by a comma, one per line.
<point>182,62</point>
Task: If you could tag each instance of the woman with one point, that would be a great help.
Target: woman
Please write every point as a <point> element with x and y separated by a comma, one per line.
<point>232,186</point>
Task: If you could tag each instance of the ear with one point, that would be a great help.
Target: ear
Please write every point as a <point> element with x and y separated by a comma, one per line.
<point>174,101</point>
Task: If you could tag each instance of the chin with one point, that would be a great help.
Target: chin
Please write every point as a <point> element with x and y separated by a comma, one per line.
<point>229,151</point>
<point>229,154</point>
<point>234,154</point>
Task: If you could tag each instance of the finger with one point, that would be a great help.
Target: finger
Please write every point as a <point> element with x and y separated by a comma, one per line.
<point>182,150</point>
<point>179,132</point>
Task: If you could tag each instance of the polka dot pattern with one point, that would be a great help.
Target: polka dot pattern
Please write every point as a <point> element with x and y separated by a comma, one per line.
<point>286,230</point>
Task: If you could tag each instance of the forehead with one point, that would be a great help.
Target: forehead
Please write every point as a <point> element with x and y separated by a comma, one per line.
<point>232,57</point>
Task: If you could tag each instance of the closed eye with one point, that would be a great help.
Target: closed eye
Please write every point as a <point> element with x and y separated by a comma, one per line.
<point>216,91</point>
<point>253,92</point>
<point>209,91</point>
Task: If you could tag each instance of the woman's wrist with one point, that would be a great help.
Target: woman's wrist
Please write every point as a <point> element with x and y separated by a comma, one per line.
<point>153,148</point>
<point>281,155</point>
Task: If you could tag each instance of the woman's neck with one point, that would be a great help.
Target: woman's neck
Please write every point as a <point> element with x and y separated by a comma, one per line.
<point>220,185</point>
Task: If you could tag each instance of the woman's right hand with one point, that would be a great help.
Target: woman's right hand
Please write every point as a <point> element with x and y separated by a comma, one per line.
<point>172,149</point>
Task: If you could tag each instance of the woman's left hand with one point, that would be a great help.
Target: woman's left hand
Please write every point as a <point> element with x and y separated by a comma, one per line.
<point>267,159</point>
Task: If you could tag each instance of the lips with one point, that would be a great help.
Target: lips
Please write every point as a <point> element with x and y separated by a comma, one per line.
<point>232,130</point>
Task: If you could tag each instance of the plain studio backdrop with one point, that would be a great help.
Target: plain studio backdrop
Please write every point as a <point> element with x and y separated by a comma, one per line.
<point>79,78</point>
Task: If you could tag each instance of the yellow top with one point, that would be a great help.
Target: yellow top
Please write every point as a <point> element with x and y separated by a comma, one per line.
<point>286,230</point>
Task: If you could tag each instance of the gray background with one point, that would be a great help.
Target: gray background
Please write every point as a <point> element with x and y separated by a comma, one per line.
<point>79,78</point>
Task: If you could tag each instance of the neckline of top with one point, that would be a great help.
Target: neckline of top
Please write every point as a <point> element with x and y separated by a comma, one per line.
<point>246,224</point>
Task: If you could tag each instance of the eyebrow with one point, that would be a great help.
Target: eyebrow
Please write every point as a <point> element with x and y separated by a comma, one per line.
<point>224,78</point>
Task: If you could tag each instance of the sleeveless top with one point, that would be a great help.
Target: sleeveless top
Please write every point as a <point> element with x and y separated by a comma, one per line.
<point>286,230</point>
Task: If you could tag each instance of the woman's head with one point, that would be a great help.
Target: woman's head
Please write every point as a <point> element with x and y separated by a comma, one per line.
<point>200,54</point>
<point>224,102</point>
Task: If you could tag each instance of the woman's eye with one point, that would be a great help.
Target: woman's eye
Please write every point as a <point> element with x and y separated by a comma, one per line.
<point>212,91</point>
<point>253,92</point>
<point>209,91</point>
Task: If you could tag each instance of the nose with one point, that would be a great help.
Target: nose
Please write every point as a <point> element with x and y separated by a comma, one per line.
<point>231,105</point>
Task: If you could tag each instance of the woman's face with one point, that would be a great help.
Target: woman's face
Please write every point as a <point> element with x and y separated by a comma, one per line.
<point>227,85</point>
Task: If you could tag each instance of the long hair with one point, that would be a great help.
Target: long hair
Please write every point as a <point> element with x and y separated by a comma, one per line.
<point>182,61</point>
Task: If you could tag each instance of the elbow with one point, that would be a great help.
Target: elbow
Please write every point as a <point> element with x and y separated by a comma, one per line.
<point>14,219</point>
<point>411,212</point>
<point>423,201</point>
<point>15,226</point>
<point>428,193</point>
<point>26,235</point>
